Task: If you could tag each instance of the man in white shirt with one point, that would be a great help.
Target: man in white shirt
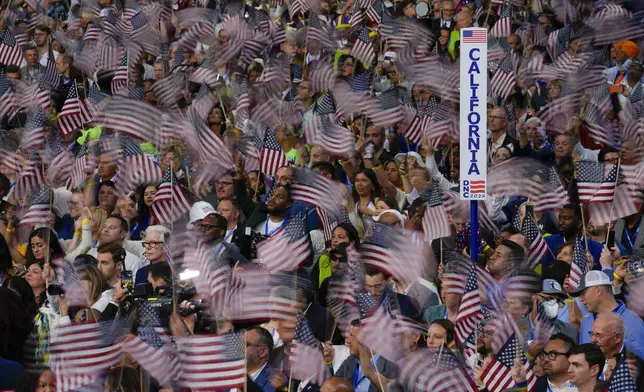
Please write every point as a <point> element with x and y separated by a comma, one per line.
<point>115,231</point>
<point>42,35</point>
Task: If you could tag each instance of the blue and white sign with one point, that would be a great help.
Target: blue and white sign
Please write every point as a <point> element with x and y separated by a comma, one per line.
<point>473,116</point>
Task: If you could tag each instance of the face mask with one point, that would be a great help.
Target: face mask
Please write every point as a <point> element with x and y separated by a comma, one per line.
<point>550,308</point>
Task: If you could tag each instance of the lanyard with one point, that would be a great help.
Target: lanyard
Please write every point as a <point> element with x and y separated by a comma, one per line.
<point>275,229</point>
<point>617,75</point>
<point>356,374</point>
<point>134,229</point>
<point>631,240</point>
<point>225,240</point>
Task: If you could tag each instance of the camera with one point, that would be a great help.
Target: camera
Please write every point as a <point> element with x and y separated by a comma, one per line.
<point>55,289</point>
<point>161,299</point>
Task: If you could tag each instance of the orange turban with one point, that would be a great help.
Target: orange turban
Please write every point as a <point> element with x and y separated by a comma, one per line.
<point>629,48</point>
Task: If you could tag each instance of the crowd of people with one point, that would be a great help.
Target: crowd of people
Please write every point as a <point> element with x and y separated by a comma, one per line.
<point>264,195</point>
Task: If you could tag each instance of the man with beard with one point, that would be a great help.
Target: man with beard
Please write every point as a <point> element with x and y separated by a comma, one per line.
<point>570,226</point>
<point>268,219</point>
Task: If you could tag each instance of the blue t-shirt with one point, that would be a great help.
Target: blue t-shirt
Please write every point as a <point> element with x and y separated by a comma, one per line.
<point>556,240</point>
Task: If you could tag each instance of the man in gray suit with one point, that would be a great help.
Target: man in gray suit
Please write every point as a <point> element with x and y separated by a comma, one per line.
<point>32,71</point>
<point>352,368</point>
<point>629,232</point>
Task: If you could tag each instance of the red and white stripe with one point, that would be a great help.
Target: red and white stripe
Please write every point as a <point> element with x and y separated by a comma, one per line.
<point>170,203</point>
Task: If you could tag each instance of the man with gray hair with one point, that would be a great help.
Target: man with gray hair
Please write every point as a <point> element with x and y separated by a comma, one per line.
<point>497,136</point>
<point>608,334</point>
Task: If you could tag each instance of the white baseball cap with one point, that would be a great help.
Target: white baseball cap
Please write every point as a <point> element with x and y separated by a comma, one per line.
<point>200,210</point>
<point>591,279</point>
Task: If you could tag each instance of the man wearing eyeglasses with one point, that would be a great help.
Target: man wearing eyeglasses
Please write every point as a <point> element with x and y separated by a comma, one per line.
<point>498,137</point>
<point>555,364</point>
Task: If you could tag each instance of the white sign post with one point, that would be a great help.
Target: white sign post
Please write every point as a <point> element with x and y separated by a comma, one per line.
<point>473,117</point>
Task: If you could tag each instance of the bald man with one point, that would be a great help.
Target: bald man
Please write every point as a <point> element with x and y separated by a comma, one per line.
<point>337,384</point>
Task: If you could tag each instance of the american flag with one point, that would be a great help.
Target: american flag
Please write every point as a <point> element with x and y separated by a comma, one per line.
<point>60,168</point>
<point>538,246</point>
<point>374,11</point>
<point>71,116</point>
<point>502,28</point>
<point>158,362</point>
<point>315,189</point>
<point>478,36</point>
<point>92,104</point>
<point>394,253</point>
<point>80,355</point>
<point>558,42</point>
<point>503,80</point>
<point>498,374</point>
<point>84,164</point>
<point>31,177</point>
<point>10,50</point>
<point>436,371</point>
<point>288,248</point>
<point>136,118</point>
<point>420,123</point>
<point>316,31</point>
<point>324,130</point>
<point>621,379</point>
<point>596,182</point>
<point>119,81</point>
<point>272,156</point>
<point>357,17</point>
<point>435,222</point>
<point>306,358</point>
<point>553,197</point>
<point>579,265</point>
<point>136,168</point>
<point>211,146</point>
<point>469,311</point>
<point>50,76</point>
<point>385,109</point>
<point>32,97</point>
<point>624,204</point>
<point>39,208</point>
<point>212,362</point>
<point>34,135</point>
<point>321,75</point>
<point>246,297</point>
<point>171,201</point>
<point>363,47</point>
<point>7,97</point>
<point>360,82</point>
<point>382,332</point>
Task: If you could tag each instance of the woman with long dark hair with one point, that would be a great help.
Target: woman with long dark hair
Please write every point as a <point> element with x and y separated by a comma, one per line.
<point>366,191</point>
<point>43,246</point>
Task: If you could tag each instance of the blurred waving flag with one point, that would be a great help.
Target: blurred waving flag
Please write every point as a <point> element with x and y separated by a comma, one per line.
<point>538,246</point>
<point>436,371</point>
<point>171,201</point>
<point>316,190</point>
<point>71,116</point>
<point>39,209</point>
<point>212,362</point>
<point>579,265</point>
<point>306,358</point>
<point>621,379</point>
<point>7,97</point>
<point>435,222</point>
<point>469,311</point>
<point>288,248</point>
<point>498,373</point>
<point>34,134</point>
<point>363,47</point>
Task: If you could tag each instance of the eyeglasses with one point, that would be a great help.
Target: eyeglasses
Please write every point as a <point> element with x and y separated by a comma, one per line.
<point>223,183</point>
<point>151,244</point>
<point>598,335</point>
<point>552,355</point>
<point>496,117</point>
<point>203,227</point>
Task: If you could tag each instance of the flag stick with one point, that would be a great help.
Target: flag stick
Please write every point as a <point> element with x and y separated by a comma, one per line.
<point>382,388</point>
<point>612,203</point>
<point>583,224</point>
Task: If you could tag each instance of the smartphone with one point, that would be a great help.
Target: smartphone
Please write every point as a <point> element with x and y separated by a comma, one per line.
<point>529,211</point>
<point>126,279</point>
<point>611,239</point>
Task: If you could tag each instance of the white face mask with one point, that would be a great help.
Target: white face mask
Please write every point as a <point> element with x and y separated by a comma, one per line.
<point>550,308</point>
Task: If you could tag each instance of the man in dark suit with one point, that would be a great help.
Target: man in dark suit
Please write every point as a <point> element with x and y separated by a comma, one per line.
<point>446,19</point>
<point>353,370</point>
<point>498,124</point>
<point>259,346</point>
<point>236,231</point>
<point>377,283</point>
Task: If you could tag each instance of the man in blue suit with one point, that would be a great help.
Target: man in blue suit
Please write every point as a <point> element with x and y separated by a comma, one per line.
<point>259,345</point>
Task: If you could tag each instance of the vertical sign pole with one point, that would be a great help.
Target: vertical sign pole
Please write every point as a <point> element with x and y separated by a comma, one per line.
<point>473,125</point>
